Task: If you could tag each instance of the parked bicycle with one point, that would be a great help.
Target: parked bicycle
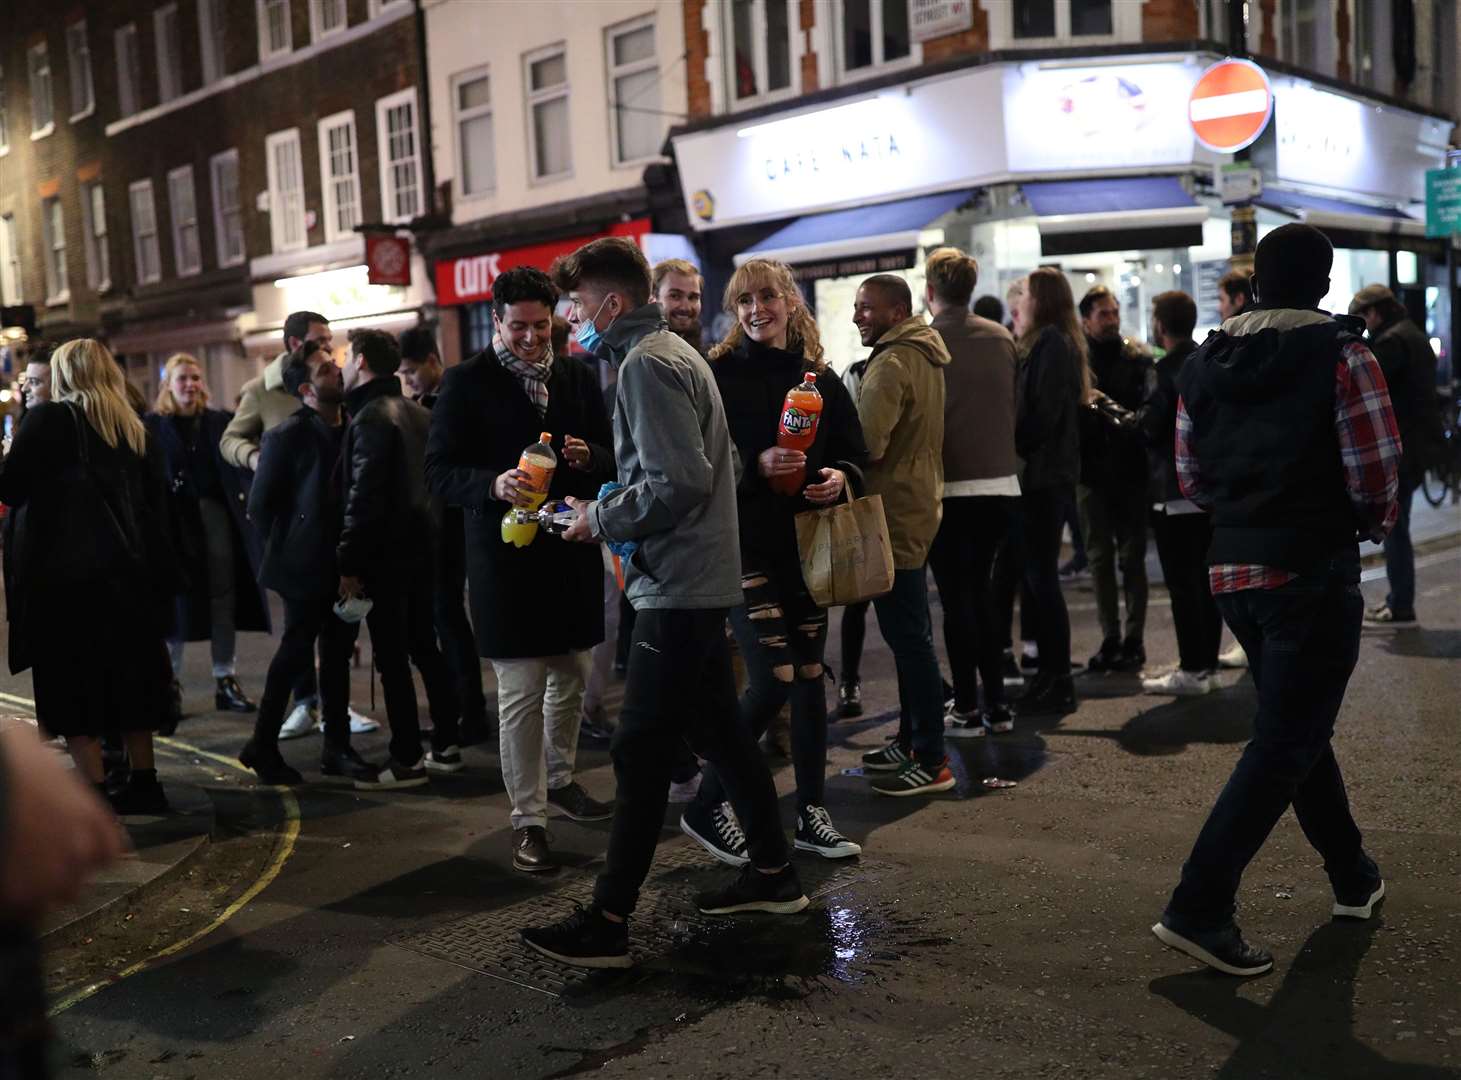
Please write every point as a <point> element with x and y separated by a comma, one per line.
<point>1443,476</point>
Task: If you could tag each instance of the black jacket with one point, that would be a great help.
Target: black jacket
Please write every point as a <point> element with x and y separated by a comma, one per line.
<point>753,381</point>
<point>295,505</point>
<point>1409,364</point>
<point>1113,457</point>
<point>547,598</point>
<point>389,519</point>
<point>194,622</point>
<point>1157,420</point>
<point>1047,418</point>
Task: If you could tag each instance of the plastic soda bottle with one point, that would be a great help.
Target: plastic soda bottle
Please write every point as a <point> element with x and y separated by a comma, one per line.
<point>800,414</point>
<point>539,462</point>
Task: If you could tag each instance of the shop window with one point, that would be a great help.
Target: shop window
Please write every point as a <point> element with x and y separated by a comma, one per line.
<point>634,93</point>
<point>547,94</point>
<point>874,33</point>
<point>211,39</point>
<point>227,213</point>
<point>326,17</point>
<point>169,54</point>
<point>78,63</point>
<point>94,220</point>
<point>339,175</point>
<point>1300,25</point>
<point>286,191</point>
<point>760,53</point>
<point>400,157</point>
<point>129,81</point>
<point>477,328</point>
<point>144,232</point>
<point>53,231</point>
<point>10,287</point>
<point>183,203</point>
<point>42,118</point>
<point>276,36</point>
<point>1026,23</point>
<point>476,134</point>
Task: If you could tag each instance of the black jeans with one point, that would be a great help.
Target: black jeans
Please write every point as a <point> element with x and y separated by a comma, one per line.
<point>1302,641</point>
<point>680,685</point>
<point>1400,553</point>
<point>854,634</point>
<point>308,619</point>
<point>1114,518</point>
<point>458,643</point>
<point>906,626</point>
<point>1009,580</point>
<point>962,560</point>
<point>782,635</point>
<point>1044,517</point>
<point>1182,543</point>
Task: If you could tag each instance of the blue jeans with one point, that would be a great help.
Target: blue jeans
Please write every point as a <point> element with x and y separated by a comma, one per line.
<point>906,626</point>
<point>1302,642</point>
<point>1400,555</point>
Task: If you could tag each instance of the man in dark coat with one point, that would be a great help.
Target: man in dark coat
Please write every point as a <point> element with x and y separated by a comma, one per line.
<point>537,609</point>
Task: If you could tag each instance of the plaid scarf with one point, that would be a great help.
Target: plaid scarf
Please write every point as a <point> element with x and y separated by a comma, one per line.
<point>534,377</point>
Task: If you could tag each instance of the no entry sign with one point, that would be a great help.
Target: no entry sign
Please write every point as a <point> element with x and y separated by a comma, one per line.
<point>1230,105</point>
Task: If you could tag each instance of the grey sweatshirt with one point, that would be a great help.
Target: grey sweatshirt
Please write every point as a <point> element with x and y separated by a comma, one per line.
<point>674,457</point>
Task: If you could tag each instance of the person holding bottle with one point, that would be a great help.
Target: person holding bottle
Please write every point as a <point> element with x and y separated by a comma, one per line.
<point>772,379</point>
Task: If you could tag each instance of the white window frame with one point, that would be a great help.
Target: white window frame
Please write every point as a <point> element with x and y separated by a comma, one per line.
<point>616,73</point>
<point>11,287</point>
<point>178,179</point>
<point>266,54</point>
<point>795,51</point>
<point>40,131</point>
<point>328,180</point>
<point>98,255</point>
<point>129,81</point>
<point>56,271</point>
<point>220,223</point>
<point>139,238</point>
<point>4,117</point>
<point>533,98</point>
<point>276,215</point>
<point>377,6</point>
<point>1326,42</point>
<point>78,67</point>
<point>169,67</point>
<point>317,19</point>
<point>388,190</point>
<point>1125,26</point>
<point>212,37</point>
<point>879,66</point>
<point>460,117</point>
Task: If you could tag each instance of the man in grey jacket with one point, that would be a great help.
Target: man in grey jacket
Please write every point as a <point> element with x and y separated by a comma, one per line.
<point>673,522</point>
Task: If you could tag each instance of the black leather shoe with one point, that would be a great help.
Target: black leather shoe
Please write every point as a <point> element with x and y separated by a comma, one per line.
<point>1132,658</point>
<point>530,852</point>
<point>269,768</point>
<point>142,794</point>
<point>1108,659</point>
<point>1222,950</point>
<point>174,710</point>
<point>1048,697</point>
<point>230,696</point>
<point>849,699</point>
<point>345,761</point>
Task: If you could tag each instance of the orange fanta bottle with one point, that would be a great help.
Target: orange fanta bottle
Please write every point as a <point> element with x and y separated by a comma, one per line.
<point>539,462</point>
<point>800,414</point>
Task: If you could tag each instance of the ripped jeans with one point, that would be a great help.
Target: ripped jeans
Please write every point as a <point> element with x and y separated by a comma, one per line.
<point>782,635</point>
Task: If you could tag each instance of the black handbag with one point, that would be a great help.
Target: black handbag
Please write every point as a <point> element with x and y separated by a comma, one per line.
<point>97,534</point>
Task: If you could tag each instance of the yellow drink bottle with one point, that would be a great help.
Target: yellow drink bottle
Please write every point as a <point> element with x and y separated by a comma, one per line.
<point>539,462</point>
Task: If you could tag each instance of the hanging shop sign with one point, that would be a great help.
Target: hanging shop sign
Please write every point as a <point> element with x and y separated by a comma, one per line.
<point>1230,105</point>
<point>388,259</point>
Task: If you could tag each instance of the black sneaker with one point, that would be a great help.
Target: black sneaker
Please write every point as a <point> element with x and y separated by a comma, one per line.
<point>948,688</point>
<point>1108,659</point>
<point>717,831</point>
<point>1052,697</point>
<point>579,805</point>
<point>890,758</point>
<point>1132,658</point>
<point>816,833</point>
<point>392,775</point>
<point>594,724</point>
<point>229,697</point>
<point>1223,950</point>
<point>963,725</point>
<point>344,761</point>
<point>999,719</point>
<point>446,760</point>
<point>1359,905</point>
<point>270,768</point>
<point>584,939</point>
<point>779,894</point>
<point>849,699</point>
<point>916,779</point>
<point>1029,662</point>
<point>1013,676</point>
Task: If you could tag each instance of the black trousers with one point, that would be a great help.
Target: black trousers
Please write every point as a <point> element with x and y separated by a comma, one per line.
<point>680,685</point>
<point>1182,542</point>
<point>1044,519</point>
<point>453,628</point>
<point>854,634</point>
<point>1009,580</point>
<point>308,619</point>
<point>962,560</point>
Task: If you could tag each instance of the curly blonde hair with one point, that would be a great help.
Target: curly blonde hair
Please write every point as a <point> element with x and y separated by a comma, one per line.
<point>166,404</point>
<point>801,328</point>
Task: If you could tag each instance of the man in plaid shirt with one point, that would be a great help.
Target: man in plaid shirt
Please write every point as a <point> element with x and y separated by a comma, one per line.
<point>1285,432</point>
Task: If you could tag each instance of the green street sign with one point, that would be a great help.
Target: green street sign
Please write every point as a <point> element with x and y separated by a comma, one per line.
<point>1442,202</point>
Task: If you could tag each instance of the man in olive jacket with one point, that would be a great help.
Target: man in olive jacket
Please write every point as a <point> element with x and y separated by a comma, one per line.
<point>901,405</point>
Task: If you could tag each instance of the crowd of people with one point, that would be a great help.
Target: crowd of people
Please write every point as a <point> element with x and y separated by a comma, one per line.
<point>375,491</point>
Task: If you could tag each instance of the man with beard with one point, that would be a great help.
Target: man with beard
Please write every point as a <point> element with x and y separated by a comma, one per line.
<point>677,289</point>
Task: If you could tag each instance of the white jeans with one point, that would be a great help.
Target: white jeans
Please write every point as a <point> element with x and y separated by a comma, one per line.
<point>537,695</point>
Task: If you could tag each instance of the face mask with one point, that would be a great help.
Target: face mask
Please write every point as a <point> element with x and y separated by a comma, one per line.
<point>588,335</point>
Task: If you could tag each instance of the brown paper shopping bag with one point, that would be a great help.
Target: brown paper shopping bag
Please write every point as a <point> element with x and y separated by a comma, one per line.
<point>845,552</point>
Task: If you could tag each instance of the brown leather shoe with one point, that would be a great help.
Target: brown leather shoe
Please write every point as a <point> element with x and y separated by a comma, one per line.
<point>530,852</point>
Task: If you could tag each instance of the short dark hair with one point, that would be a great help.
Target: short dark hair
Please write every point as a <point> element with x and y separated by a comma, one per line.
<point>521,285</point>
<point>377,349</point>
<point>892,287</point>
<point>299,322</point>
<point>1235,283</point>
<point>299,368</point>
<point>613,262</point>
<point>1177,313</point>
<point>989,307</point>
<point>40,353</point>
<point>1291,266</point>
<point>1094,295</point>
<point>417,343</point>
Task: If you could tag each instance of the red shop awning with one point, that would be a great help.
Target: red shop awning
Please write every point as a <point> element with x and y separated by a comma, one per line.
<point>468,279</point>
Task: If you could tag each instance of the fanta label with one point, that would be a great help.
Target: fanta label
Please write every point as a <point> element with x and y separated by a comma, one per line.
<point>796,421</point>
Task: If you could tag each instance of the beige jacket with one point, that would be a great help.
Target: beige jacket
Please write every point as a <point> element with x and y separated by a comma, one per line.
<point>263,403</point>
<point>901,406</point>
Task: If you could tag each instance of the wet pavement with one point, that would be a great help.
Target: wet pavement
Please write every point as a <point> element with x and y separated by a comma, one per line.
<point>995,931</point>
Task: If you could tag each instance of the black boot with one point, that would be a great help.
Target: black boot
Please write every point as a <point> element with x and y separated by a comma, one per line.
<point>1048,697</point>
<point>268,764</point>
<point>230,697</point>
<point>141,795</point>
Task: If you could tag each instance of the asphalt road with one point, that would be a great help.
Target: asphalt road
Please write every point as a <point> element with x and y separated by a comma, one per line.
<point>992,932</point>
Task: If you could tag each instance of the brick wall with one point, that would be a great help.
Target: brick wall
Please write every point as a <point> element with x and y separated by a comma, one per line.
<point>1169,20</point>
<point>697,48</point>
<point>965,43</point>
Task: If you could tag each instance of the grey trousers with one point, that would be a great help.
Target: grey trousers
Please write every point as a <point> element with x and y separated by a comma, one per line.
<point>219,548</point>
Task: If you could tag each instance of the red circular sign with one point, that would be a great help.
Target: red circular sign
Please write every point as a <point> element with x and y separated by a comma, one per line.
<point>1230,105</point>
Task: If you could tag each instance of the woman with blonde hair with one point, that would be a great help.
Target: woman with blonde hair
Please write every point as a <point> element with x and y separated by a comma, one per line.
<point>782,633</point>
<point>219,550</point>
<point>94,569</point>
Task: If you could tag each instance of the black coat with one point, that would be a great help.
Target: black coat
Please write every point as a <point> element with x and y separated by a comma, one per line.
<point>1409,364</point>
<point>41,604</point>
<point>1157,419</point>
<point>1047,416</point>
<point>547,598</point>
<point>251,607</point>
<point>1115,458</point>
<point>295,505</point>
<point>753,381</point>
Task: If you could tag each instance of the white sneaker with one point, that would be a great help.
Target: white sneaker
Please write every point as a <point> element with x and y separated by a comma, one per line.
<point>1234,659</point>
<point>300,722</point>
<point>1178,683</point>
<point>685,792</point>
<point>360,724</point>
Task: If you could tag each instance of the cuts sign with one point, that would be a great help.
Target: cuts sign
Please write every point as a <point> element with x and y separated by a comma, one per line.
<point>1230,105</point>
<point>469,279</point>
